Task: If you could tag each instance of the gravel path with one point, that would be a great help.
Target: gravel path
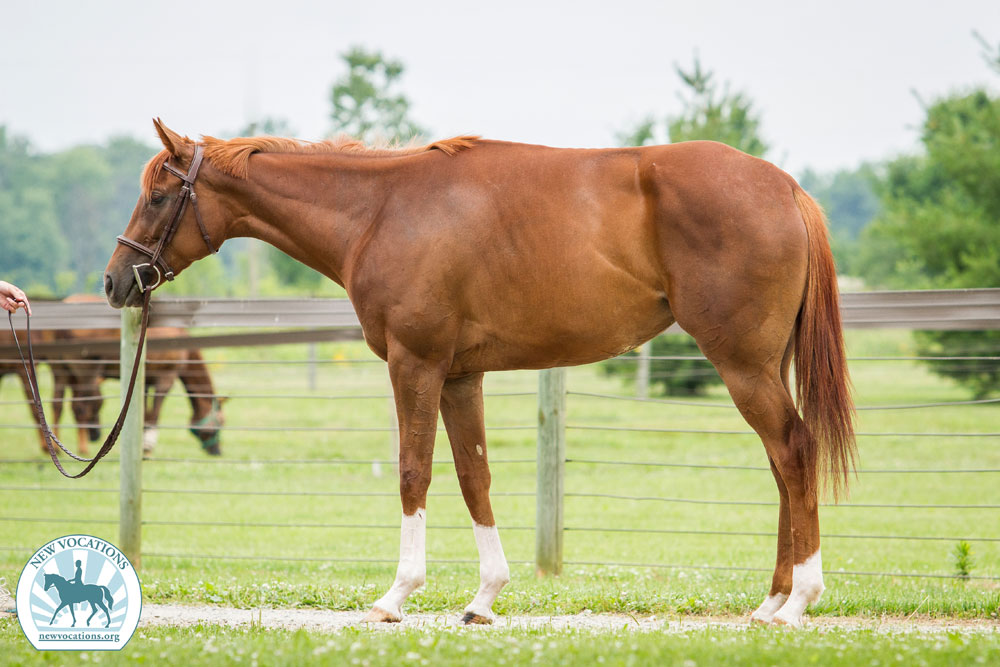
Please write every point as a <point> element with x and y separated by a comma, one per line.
<point>333,621</point>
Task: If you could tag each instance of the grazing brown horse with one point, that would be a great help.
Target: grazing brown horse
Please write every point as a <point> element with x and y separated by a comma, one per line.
<point>467,256</point>
<point>163,367</point>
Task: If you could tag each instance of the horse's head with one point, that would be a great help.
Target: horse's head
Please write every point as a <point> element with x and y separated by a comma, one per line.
<point>169,221</point>
<point>50,580</point>
<point>208,429</point>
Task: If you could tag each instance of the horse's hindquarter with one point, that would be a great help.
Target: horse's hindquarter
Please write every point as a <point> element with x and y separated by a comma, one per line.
<point>521,257</point>
<point>730,238</point>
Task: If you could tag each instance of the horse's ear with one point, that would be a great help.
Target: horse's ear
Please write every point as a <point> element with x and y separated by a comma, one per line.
<point>173,142</point>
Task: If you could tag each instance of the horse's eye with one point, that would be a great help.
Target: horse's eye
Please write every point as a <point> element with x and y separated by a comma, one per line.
<point>156,198</point>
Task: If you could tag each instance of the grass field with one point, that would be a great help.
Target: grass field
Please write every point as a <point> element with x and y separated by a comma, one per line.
<point>261,564</point>
<point>214,645</point>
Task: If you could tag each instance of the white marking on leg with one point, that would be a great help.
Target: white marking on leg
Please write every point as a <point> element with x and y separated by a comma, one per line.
<point>807,587</point>
<point>479,450</point>
<point>768,608</point>
<point>493,571</point>
<point>149,439</point>
<point>412,569</point>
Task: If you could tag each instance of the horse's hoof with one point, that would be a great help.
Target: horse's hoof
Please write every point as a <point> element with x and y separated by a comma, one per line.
<point>472,618</point>
<point>377,615</point>
<point>786,622</point>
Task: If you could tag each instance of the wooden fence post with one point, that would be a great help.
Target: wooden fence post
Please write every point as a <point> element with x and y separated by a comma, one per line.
<point>642,370</point>
<point>130,442</point>
<point>551,465</point>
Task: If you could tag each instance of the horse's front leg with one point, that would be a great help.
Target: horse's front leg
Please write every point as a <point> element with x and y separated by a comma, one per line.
<point>462,410</point>
<point>93,610</point>
<point>416,384</point>
<point>59,609</point>
<point>160,389</point>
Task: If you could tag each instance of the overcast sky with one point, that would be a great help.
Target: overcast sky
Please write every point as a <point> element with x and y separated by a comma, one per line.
<point>833,80</point>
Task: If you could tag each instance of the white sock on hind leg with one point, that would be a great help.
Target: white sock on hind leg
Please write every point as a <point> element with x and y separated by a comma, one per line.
<point>807,587</point>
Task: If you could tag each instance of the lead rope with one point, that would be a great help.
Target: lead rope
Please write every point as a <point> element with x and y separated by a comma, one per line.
<point>47,435</point>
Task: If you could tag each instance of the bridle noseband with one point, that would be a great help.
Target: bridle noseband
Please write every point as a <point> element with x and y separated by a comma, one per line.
<point>156,261</point>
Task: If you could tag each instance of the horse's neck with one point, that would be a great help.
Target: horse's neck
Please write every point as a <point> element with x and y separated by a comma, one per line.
<point>198,385</point>
<point>314,208</point>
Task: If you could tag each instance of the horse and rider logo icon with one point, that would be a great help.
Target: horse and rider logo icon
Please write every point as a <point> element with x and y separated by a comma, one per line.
<point>74,591</point>
<point>78,592</point>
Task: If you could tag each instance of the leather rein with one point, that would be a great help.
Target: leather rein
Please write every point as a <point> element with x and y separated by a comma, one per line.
<point>163,271</point>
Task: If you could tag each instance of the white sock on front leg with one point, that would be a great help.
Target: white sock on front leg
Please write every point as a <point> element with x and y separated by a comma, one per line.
<point>412,570</point>
<point>768,608</point>
<point>150,436</point>
<point>493,572</point>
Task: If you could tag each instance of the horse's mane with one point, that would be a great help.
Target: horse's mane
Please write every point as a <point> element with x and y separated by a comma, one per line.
<point>232,156</point>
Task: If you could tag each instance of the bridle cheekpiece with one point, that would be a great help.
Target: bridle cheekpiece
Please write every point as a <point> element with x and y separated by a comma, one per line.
<point>156,261</point>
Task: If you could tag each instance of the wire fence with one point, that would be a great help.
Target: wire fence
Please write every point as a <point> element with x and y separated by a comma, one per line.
<point>605,426</point>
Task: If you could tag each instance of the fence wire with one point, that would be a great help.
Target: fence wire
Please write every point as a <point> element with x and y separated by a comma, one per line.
<point>576,462</point>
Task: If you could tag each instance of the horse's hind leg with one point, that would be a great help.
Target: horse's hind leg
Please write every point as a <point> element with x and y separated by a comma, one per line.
<point>781,582</point>
<point>462,410</point>
<point>416,384</point>
<point>762,397</point>
<point>94,606</point>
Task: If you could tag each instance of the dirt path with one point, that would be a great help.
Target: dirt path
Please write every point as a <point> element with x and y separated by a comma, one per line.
<point>332,621</point>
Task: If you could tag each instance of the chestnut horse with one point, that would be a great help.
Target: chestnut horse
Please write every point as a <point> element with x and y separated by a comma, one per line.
<point>467,256</point>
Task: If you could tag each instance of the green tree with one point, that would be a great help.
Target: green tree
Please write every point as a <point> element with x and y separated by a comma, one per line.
<point>82,192</point>
<point>939,226</point>
<point>706,113</point>
<point>679,375</point>
<point>32,248</point>
<point>709,113</point>
<point>851,202</point>
<point>366,102</point>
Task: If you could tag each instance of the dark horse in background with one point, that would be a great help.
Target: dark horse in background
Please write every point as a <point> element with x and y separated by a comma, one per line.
<point>467,256</point>
<point>163,367</point>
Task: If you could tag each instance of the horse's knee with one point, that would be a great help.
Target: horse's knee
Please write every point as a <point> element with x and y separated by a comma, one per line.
<point>413,485</point>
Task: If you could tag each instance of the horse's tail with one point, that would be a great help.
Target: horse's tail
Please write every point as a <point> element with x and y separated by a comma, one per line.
<point>107,596</point>
<point>823,388</point>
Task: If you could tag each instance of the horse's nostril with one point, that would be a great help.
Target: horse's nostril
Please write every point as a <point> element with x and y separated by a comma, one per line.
<point>108,283</point>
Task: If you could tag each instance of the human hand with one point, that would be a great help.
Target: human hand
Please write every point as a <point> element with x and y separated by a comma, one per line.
<point>12,298</point>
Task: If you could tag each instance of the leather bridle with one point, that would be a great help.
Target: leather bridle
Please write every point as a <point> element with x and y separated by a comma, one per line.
<point>156,260</point>
<point>163,271</point>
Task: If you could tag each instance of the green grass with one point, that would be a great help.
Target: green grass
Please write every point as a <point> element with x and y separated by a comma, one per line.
<point>215,645</point>
<point>333,581</point>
